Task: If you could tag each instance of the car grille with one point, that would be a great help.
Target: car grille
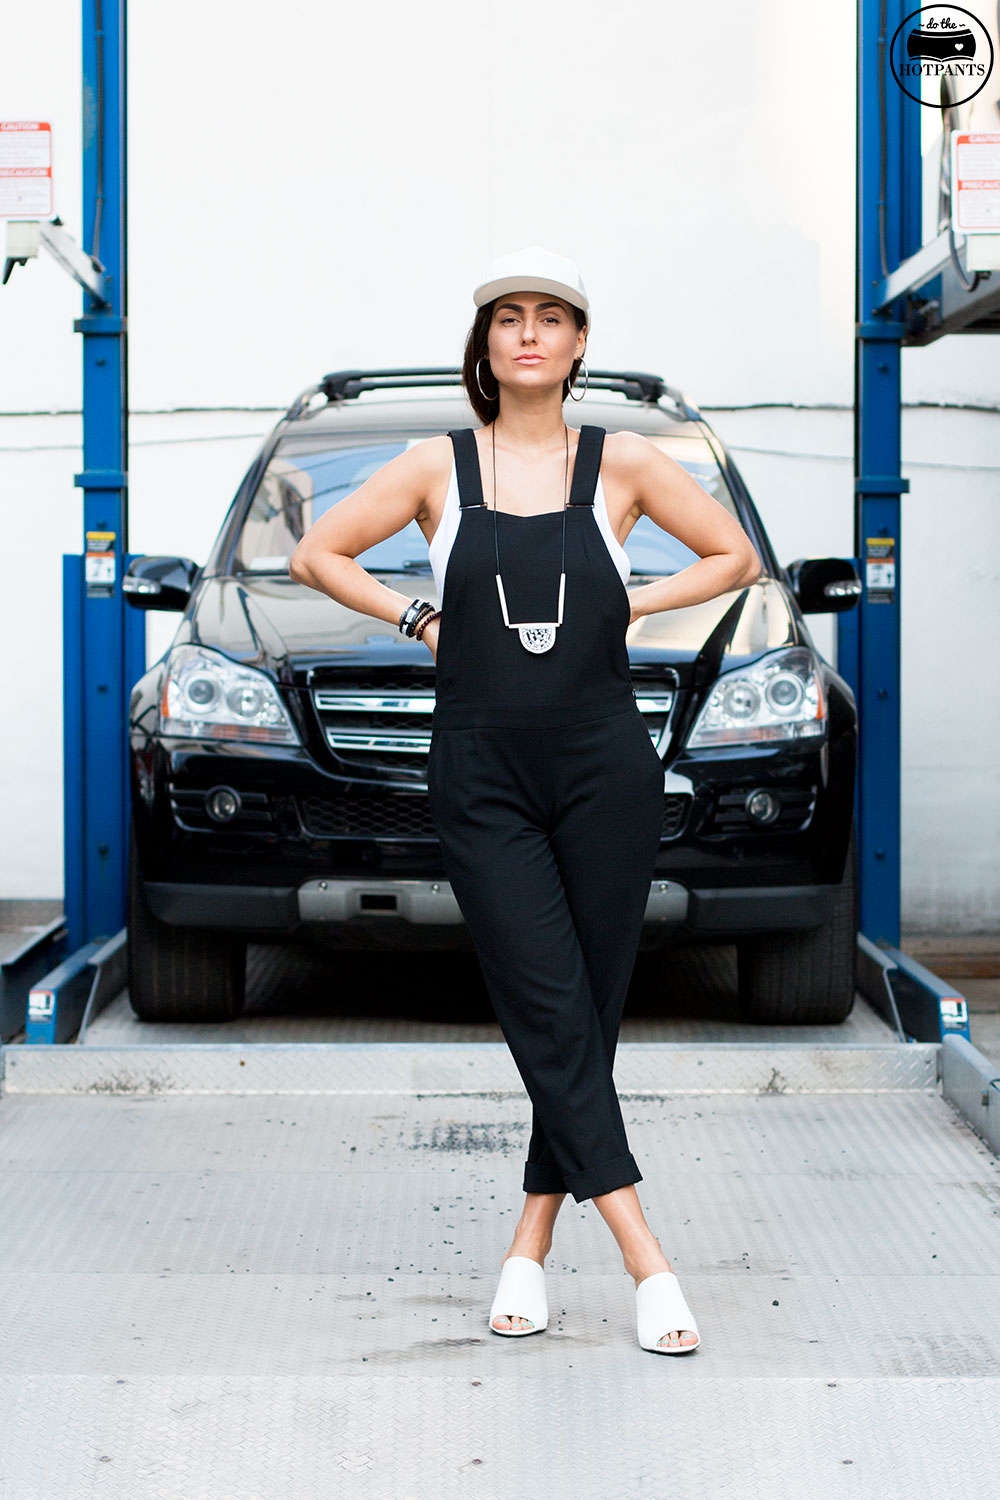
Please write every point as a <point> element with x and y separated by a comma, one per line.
<point>356,815</point>
<point>676,807</point>
<point>729,815</point>
<point>390,816</point>
<point>380,728</point>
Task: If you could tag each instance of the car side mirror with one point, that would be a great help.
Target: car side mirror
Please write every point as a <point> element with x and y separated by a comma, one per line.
<point>824,585</point>
<point>159,582</point>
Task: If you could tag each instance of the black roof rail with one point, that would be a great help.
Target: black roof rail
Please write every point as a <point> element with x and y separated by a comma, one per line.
<point>346,385</point>
<point>638,386</point>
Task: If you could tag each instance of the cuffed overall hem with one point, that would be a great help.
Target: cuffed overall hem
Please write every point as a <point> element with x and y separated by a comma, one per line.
<point>604,1178</point>
<point>543,1177</point>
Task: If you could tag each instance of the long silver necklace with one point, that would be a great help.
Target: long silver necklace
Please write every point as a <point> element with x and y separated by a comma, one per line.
<point>535,636</point>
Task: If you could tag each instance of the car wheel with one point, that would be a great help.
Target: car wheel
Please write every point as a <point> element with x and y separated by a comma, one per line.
<point>804,978</point>
<point>179,973</point>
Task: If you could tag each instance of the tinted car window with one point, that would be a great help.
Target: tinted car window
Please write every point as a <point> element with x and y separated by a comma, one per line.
<point>305,478</point>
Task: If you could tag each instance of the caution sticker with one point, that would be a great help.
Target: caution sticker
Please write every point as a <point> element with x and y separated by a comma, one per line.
<point>880,569</point>
<point>99,564</point>
<point>25,169</point>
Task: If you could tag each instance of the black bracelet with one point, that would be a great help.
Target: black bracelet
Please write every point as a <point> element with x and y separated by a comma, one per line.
<point>413,612</point>
<point>423,622</point>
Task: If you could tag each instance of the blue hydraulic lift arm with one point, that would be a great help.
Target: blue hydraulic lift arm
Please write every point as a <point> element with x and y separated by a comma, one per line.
<point>888,230</point>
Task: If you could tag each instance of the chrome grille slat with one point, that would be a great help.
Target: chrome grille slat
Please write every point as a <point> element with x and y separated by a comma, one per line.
<point>347,703</point>
<point>383,736</point>
<point>368,729</point>
<point>416,744</point>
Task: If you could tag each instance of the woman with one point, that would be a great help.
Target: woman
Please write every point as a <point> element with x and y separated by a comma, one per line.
<point>545,788</point>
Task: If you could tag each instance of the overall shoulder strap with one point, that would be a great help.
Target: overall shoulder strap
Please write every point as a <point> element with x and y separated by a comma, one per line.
<point>587,466</point>
<point>470,483</point>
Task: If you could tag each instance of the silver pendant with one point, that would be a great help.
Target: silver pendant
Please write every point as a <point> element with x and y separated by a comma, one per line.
<point>540,635</point>
<point>537,638</point>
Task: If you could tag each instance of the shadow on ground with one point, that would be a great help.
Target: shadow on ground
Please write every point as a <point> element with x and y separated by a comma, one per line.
<point>309,980</point>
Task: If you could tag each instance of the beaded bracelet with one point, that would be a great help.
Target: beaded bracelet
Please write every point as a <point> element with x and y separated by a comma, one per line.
<point>423,623</point>
<point>423,613</point>
<point>411,614</point>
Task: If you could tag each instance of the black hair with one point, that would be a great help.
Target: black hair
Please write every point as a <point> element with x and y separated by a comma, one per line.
<point>476,345</point>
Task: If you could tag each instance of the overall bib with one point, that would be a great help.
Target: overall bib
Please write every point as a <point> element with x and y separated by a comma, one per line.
<point>547,795</point>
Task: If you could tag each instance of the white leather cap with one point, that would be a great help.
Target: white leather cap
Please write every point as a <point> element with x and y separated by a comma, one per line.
<point>534,270</point>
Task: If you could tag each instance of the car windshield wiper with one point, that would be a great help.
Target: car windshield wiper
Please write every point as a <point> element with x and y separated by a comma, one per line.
<point>652,572</point>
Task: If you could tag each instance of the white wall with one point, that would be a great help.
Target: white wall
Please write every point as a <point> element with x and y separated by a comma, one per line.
<point>313,187</point>
<point>950,593</point>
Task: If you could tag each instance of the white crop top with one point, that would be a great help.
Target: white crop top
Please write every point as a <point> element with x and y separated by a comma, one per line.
<point>443,539</point>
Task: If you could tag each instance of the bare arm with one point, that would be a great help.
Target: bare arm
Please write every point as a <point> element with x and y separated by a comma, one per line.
<point>666,493</point>
<point>395,495</point>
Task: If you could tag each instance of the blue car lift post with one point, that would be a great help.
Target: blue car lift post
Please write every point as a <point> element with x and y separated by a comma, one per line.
<point>891,266</point>
<point>868,642</point>
<point>101,659</point>
<point>103,642</point>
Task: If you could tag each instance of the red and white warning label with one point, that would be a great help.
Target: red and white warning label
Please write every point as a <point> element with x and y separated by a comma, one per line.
<point>975,181</point>
<point>880,569</point>
<point>25,169</point>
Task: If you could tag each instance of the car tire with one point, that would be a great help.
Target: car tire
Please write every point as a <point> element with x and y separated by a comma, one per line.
<point>804,978</point>
<point>179,973</point>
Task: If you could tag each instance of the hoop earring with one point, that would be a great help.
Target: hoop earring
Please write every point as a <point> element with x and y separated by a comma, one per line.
<point>586,383</point>
<point>480,383</point>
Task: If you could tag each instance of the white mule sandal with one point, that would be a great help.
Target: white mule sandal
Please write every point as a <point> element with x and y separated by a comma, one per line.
<point>660,1307</point>
<point>520,1294</point>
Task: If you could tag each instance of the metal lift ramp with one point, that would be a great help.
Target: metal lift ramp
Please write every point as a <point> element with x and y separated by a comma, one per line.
<point>261,1272</point>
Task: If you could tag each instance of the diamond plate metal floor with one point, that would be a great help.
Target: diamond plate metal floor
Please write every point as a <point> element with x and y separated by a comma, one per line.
<point>268,1297</point>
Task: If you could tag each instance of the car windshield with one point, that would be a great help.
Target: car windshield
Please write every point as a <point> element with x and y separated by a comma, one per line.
<point>306,476</point>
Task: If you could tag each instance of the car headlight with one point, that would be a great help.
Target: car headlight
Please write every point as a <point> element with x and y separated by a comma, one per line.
<point>779,698</point>
<point>207,696</point>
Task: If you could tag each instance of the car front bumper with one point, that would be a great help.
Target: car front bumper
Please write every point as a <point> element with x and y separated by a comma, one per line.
<point>273,910</point>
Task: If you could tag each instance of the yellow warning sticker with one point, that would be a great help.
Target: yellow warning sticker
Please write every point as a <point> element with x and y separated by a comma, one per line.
<point>99,564</point>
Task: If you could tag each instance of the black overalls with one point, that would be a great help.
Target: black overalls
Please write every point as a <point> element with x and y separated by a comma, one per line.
<point>547,795</point>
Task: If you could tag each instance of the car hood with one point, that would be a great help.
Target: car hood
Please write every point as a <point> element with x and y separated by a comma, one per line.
<point>291,630</point>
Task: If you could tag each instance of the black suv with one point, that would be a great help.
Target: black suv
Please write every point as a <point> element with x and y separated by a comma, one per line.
<point>278,749</point>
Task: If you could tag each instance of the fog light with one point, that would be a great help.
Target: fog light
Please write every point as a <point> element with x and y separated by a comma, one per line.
<point>222,804</point>
<point>762,807</point>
